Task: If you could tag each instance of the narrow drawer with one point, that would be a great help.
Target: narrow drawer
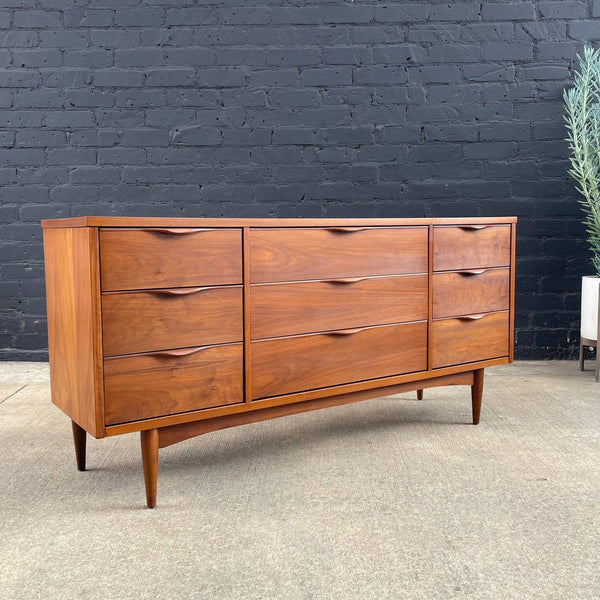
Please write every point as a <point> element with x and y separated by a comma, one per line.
<point>471,291</point>
<point>325,253</point>
<point>170,318</point>
<point>471,247</point>
<point>279,309</point>
<point>293,364</point>
<point>468,339</point>
<point>152,385</point>
<point>166,257</point>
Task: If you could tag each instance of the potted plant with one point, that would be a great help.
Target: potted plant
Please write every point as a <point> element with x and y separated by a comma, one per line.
<point>582,103</point>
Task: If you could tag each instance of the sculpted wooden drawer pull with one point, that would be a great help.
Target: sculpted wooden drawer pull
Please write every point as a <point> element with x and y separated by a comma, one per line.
<point>473,227</point>
<point>346,229</point>
<point>347,280</point>
<point>470,317</point>
<point>176,353</point>
<point>471,272</point>
<point>171,231</point>
<point>346,331</point>
<point>180,291</point>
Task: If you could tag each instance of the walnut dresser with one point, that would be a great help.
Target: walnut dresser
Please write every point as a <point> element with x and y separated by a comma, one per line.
<point>176,327</point>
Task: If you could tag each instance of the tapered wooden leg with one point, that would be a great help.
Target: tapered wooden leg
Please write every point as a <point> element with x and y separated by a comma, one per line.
<point>581,359</point>
<point>79,437</point>
<point>419,394</point>
<point>477,394</point>
<point>149,440</point>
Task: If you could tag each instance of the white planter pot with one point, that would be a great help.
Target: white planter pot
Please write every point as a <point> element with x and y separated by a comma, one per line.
<point>589,307</point>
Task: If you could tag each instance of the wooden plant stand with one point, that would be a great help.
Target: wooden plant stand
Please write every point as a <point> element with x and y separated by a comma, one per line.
<point>593,344</point>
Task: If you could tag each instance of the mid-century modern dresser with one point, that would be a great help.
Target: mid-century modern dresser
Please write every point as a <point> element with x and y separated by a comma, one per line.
<point>176,327</point>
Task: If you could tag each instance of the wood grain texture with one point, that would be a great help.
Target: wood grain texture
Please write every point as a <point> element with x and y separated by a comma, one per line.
<point>74,334</point>
<point>303,254</point>
<point>462,293</point>
<point>456,341</point>
<point>177,433</point>
<point>477,394</point>
<point>292,364</point>
<point>79,440</point>
<point>247,315</point>
<point>513,270</point>
<point>379,273</point>
<point>297,397</point>
<point>429,291</point>
<point>149,385</point>
<point>282,309</point>
<point>154,320</point>
<point>149,441</point>
<point>139,259</point>
<point>461,248</point>
<point>99,221</point>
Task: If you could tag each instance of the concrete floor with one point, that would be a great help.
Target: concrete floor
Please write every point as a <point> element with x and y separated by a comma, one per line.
<point>389,498</point>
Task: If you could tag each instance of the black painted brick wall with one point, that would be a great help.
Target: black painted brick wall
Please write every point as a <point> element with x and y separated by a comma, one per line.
<point>309,108</point>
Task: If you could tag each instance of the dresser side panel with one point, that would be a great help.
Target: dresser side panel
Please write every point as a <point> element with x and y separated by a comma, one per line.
<point>513,270</point>
<point>70,257</point>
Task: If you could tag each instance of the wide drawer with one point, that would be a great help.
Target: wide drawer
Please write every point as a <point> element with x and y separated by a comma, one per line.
<point>472,291</point>
<point>152,385</point>
<point>293,364</point>
<point>167,257</point>
<point>325,253</point>
<point>471,247</point>
<point>170,318</point>
<point>279,309</point>
<point>469,339</point>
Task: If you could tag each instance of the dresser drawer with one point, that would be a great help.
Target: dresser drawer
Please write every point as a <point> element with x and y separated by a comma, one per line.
<point>170,318</point>
<point>330,252</point>
<point>468,292</point>
<point>279,309</point>
<point>471,247</point>
<point>166,257</point>
<point>464,340</point>
<point>293,364</point>
<point>152,385</point>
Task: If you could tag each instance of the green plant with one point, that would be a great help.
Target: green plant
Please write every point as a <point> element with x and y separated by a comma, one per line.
<point>582,103</point>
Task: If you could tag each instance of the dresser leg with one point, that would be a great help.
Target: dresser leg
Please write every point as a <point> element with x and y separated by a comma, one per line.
<point>149,440</point>
<point>419,394</point>
<point>581,359</point>
<point>79,437</point>
<point>477,394</point>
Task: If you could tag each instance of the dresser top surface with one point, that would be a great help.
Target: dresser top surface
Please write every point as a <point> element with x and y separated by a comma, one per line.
<point>98,221</point>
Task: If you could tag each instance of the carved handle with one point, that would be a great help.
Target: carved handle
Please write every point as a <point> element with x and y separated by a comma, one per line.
<point>347,280</point>
<point>346,331</point>
<point>470,317</point>
<point>179,291</point>
<point>346,229</point>
<point>175,231</point>
<point>471,272</point>
<point>176,353</point>
<point>473,227</point>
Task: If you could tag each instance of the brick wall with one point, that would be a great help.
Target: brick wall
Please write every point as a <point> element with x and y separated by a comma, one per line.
<point>277,108</point>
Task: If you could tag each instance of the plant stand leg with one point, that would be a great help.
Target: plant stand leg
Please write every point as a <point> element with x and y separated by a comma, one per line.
<point>598,343</point>
<point>581,356</point>
<point>477,394</point>
<point>149,439</point>
<point>79,438</point>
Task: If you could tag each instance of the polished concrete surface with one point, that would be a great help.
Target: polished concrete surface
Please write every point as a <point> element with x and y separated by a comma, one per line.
<point>388,498</point>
